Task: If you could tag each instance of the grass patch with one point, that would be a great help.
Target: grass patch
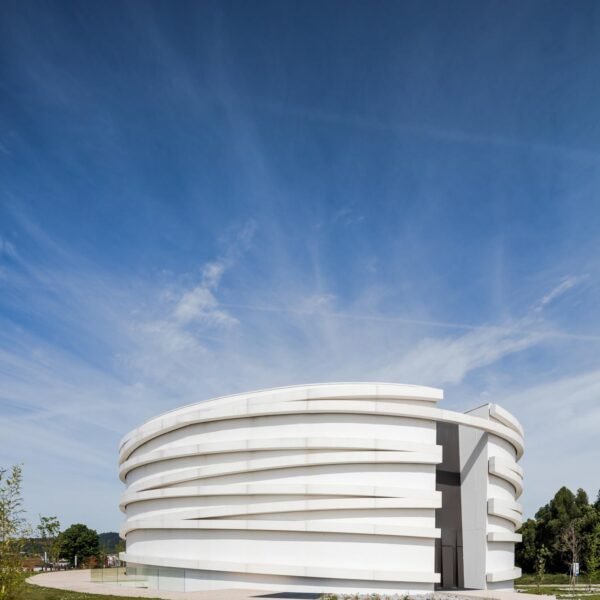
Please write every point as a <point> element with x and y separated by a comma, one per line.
<point>581,591</point>
<point>553,578</point>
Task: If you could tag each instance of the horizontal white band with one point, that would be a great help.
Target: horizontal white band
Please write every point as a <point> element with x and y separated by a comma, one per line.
<point>508,471</point>
<point>249,445</point>
<point>320,526</point>
<point>243,410</point>
<point>508,575</point>
<point>283,462</point>
<point>506,463</point>
<point>278,489</point>
<point>511,511</point>
<point>504,417</point>
<point>286,570</point>
<point>293,393</point>
<point>504,536</point>
<point>337,504</point>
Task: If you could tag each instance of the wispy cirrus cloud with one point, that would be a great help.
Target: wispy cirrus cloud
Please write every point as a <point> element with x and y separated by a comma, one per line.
<point>562,288</point>
<point>148,346</point>
<point>561,414</point>
<point>347,215</point>
<point>447,360</point>
<point>200,304</point>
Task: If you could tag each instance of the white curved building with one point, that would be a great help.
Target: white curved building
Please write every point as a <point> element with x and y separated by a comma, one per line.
<point>342,487</point>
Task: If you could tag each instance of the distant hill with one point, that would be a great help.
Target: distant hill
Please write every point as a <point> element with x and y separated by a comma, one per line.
<point>33,546</point>
<point>109,541</point>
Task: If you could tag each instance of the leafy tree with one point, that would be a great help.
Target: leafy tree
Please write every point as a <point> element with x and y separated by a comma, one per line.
<point>568,530</point>
<point>553,520</point>
<point>49,530</point>
<point>592,552</point>
<point>81,541</point>
<point>109,541</point>
<point>526,552</point>
<point>13,531</point>
<point>541,556</point>
<point>582,501</point>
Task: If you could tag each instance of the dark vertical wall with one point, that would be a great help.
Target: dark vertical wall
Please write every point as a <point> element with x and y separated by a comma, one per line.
<point>449,550</point>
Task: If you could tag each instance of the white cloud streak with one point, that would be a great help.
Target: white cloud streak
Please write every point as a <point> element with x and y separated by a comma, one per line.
<point>562,288</point>
<point>448,360</point>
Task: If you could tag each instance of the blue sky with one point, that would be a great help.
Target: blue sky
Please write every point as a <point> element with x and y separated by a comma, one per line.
<point>203,198</point>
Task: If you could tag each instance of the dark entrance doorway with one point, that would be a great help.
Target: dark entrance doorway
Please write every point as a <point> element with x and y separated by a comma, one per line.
<point>448,549</point>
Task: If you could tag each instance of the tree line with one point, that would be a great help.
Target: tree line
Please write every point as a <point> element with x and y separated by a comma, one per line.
<point>563,532</point>
<point>78,545</point>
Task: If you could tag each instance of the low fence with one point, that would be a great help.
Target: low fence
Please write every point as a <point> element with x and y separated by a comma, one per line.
<point>158,578</point>
<point>118,576</point>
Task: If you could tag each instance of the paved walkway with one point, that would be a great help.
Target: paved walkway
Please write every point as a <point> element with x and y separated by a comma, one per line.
<point>80,581</point>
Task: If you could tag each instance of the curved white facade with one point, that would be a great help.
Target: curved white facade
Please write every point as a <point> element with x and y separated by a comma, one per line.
<point>349,487</point>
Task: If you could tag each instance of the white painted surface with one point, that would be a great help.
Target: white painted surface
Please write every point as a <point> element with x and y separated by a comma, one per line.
<point>474,473</point>
<point>327,487</point>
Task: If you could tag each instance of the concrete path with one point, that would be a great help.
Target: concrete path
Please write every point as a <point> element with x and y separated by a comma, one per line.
<point>80,581</point>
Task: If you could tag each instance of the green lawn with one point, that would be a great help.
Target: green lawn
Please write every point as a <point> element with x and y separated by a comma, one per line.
<point>555,578</point>
<point>35,592</point>
<point>580,592</point>
<point>562,593</point>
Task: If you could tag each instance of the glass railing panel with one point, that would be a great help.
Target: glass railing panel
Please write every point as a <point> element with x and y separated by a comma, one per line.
<point>149,575</point>
<point>172,580</point>
<point>135,577</point>
<point>159,578</point>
